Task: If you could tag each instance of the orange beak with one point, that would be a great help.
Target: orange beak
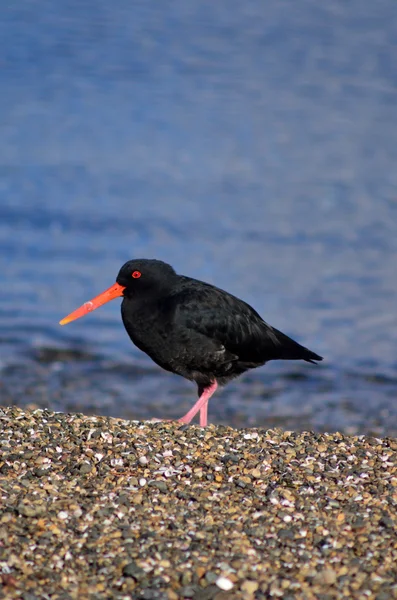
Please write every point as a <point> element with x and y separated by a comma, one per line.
<point>111,293</point>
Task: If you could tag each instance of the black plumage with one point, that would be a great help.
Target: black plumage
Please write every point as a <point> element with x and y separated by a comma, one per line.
<point>197,330</point>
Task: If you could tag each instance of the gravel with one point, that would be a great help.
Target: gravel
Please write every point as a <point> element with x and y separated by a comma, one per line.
<point>98,508</point>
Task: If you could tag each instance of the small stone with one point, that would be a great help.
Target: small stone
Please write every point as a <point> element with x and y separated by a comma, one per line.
<point>186,578</point>
<point>383,596</point>
<point>133,570</point>
<point>326,577</point>
<point>249,586</point>
<point>137,499</point>
<point>41,472</point>
<point>13,561</point>
<point>387,522</point>
<point>188,592</point>
<point>208,593</point>
<point>85,468</point>
<point>165,563</point>
<point>31,510</point>
<point>160,485</point>
<point>224,584</point>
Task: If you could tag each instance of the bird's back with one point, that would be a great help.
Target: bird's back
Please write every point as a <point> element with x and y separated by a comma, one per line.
<point>219,315</point>
<point>204,333</point>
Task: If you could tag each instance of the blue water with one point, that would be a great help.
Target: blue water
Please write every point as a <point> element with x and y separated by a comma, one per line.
<point>250,144</point>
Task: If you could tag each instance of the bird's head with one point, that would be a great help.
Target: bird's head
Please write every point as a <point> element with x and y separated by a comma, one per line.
<point>136,277</point>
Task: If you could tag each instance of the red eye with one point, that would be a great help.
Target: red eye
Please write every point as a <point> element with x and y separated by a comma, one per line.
<point>136,274</point>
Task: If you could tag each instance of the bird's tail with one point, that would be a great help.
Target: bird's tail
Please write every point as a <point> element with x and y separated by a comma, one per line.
<point>291,350</point>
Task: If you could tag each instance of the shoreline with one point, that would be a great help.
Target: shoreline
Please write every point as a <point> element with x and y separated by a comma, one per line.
<point>98,507</point>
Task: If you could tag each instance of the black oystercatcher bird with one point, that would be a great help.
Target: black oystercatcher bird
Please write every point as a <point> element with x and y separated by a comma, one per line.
<point>192,328</point>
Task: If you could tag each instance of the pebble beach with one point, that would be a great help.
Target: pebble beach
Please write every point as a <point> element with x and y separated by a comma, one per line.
<point>97,508</point>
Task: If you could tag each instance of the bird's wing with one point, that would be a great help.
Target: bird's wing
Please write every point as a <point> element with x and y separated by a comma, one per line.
<point>219,316</point>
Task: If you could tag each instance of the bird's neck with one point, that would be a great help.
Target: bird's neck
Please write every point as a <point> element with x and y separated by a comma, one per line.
<point>141,307</point>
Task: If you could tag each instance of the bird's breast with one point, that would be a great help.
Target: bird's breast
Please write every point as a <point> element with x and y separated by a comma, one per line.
<point>148,327</point>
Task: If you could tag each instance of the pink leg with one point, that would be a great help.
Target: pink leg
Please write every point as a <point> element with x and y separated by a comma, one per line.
<point>203,415</point>
<point>201,405</point>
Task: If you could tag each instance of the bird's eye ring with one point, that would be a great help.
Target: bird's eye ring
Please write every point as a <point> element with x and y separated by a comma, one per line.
<point>136,274</point>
